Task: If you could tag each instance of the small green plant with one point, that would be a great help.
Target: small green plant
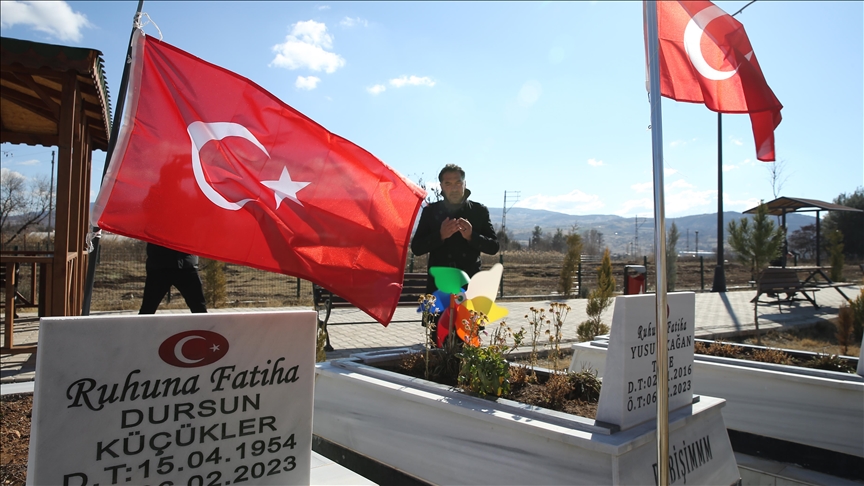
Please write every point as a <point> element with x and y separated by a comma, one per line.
<point>717,348</point>
<point>215,285</point>
<point>844,333</point>
<point>590,329</point>
<point>829,362</point>
<point>835,250</point>
<point>598,301</point>
<point>570,265</point>
<point>485,370</point>
<point>771,355</point>
<point>857,307</point>
<point>586,385</point>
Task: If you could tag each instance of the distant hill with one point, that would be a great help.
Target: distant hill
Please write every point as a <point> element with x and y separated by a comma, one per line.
<point>620,233</point>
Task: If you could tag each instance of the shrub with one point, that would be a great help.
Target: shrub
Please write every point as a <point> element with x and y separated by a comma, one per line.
<point>571,264</point>
<point>590,329</point>
<point>835,250</point>
<point>845,329</point>
<point>829,362</point>
<point>770,355</point>
<point>857,307</point>
<point>586,385</point>
<point>598,301</point>
<point>558,388</point>
<point>215,285</point>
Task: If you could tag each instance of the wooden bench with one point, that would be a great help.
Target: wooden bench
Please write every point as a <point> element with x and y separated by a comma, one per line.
<point>774,281</point>
<point>413,286</point>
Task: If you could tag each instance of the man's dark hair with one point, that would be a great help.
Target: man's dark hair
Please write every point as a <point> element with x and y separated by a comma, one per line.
<point>450,168</point>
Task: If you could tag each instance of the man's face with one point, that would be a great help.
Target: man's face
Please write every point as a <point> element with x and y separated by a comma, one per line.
<point>453,187</point>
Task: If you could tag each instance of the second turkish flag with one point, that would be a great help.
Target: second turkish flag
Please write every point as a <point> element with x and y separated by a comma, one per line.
<point>706,57</point>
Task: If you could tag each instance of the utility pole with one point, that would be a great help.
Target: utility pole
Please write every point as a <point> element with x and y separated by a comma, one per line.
<point>697,243</point>
<point>637,224</point>
<point>510,198</point>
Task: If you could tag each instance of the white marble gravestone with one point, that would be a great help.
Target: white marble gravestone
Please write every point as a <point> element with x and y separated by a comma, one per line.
<point>174,399</point>
<point>629,393</point>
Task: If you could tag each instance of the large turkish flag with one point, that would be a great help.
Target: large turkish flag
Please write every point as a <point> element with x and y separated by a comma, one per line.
<point>706,57</point>
<point>210,163</point>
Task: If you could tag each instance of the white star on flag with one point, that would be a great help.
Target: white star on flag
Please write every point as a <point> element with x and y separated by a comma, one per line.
<point>285,187</point>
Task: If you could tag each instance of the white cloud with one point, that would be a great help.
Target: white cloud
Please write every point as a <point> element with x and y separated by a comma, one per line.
<point>306,47</point>
<point>679,202</point>
<point>377,89</point>
<point>680,143</point>
<point>349,22</point>
<point>412,81</point>
<point>529,93</point>
<point>728,167</point>
<point>642,187</point>
<point>574,202</point>
<point>627,207</point>
<point>679,197</point>
<point>595,163</point>
<point>324,7</point>
<point>53,18</point>
<point>307,82</point>
<point>29,162</point>
<point>739,205</point>
<point>668,172</point>
<point>679,184</point>
<point>736,141</point>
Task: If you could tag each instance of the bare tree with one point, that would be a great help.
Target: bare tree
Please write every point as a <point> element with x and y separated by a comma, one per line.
<point>777,175</point>
<point>23,203</point>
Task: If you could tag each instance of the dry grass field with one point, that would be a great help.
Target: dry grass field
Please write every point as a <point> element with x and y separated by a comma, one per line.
<point>120,273</point>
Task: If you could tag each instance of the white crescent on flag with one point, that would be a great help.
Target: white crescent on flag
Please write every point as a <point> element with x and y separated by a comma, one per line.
<point>693,40</point>
<point>201,133</point>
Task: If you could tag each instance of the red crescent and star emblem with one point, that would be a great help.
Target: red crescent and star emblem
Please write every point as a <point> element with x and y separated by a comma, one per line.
<point>191,349</point>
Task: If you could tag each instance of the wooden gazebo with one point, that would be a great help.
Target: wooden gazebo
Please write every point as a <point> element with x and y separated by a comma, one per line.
<point>55,95</point>
<point>783,205</point>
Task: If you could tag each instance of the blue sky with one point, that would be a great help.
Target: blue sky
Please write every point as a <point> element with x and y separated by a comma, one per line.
<point>544,98</point>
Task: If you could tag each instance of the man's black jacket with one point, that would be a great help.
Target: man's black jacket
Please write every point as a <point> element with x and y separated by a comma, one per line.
<point>454,251</point>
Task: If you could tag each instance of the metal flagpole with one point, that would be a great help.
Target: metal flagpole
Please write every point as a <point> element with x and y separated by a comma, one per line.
<point>659,248</point>
<point>720,271</point>
<point>115,131</point>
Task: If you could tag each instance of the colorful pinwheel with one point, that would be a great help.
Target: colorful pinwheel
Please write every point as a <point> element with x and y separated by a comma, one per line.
<point>479,298</point>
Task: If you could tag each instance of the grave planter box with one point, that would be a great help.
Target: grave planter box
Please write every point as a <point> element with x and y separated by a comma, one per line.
<point>442,436</point>
<point>815,408</point>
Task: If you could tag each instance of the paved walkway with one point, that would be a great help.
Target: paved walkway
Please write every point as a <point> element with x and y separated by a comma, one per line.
<point>718,315</point>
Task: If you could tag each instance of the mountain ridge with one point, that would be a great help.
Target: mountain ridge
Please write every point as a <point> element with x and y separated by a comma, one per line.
<point>620,233</point>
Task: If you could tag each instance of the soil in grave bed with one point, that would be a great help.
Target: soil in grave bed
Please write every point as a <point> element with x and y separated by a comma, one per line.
<point>573,393</point>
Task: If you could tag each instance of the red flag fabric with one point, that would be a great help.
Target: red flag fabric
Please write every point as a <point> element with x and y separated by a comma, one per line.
<point>706,57</point>
<point>210,163</point>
